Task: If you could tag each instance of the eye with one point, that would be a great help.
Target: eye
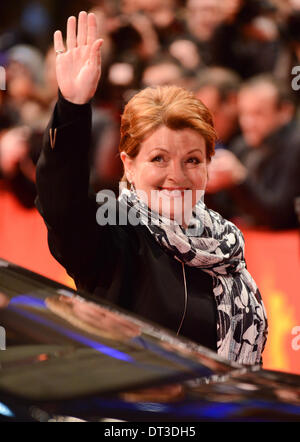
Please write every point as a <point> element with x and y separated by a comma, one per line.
<point>158,159</point>
<point>193,160</point>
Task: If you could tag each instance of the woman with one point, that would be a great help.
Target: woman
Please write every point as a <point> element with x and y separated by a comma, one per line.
<point>188,276</point>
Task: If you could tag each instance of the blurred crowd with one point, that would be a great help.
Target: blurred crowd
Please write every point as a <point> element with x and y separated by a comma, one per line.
<point>238,56</point>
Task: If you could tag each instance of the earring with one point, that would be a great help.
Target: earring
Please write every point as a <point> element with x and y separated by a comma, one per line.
<point>129,179</point>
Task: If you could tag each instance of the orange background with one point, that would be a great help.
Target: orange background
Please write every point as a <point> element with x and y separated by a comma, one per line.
<point>273,260</point>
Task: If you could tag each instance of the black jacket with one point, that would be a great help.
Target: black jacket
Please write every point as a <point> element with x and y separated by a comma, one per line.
<point>268,194</point>
<point>122,264</point>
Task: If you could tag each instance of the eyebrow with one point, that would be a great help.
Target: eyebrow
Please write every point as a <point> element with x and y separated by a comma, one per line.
<point>195,150</point>
<point>165,150</point>
<point>159,148</point>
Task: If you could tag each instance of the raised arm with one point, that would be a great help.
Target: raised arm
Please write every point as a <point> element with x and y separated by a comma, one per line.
<point>62,176</point>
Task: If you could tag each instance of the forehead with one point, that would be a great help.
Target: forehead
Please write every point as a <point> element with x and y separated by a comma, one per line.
<point>210,96</point>
<point>177,141</point>
<point>161,74</point>
<point>201,4</point>
<point>264,95</point>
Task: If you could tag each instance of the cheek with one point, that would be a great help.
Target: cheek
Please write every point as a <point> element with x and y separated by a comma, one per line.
<point>199,177</point>
<point>149,175</point>
<point>272,123</point>
<point>199,184</point>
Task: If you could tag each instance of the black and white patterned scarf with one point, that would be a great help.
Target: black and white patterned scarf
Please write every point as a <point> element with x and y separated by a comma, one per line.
<point>217,247</point>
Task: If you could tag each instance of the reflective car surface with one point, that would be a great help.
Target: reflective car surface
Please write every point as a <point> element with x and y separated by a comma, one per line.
<point>71,354</point>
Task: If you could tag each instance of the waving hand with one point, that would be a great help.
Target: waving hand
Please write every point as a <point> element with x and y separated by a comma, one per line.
<point>78,68</point>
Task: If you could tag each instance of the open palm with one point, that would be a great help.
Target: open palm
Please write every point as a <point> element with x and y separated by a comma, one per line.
<point>78,68</point>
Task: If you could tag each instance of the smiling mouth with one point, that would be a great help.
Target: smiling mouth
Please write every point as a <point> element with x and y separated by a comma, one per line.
<point>174,188</point>
<point>173,191</point>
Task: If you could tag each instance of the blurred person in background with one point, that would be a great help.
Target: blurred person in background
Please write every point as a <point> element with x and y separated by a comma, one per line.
<point>165,17</point>
<point>293,33</point>
<point>19,151</point>
<point>248,40</point>
<point>262,170</point>
<point>285,8</point>
<point>132,43</point>
<point>25,68</point>
<point>218,89</point>
<point>202,19</point>
<point>135,33</point>
<point>20,140</point>
<point>129,6</point>
<point>163,70</point>
<point>230,10</point>
<point>186,52</point>
<point>191,45</point>
<point>8,115</point>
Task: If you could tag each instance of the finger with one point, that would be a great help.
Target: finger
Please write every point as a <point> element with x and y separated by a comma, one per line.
<point>92,30</point>
<point>82,29</point>
<point>71,33</point>
<point>58,41</point>
<point>95,54</point>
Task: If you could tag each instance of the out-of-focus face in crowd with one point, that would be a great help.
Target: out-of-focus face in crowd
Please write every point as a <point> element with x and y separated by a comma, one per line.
<point>129,6</point>
<point>203,16</point>
<point>224,111</point>
<point>230,8</point>
<point>260,113</point>
<point>160,12</point>
<point>186,52</point>
<point>161,74</point>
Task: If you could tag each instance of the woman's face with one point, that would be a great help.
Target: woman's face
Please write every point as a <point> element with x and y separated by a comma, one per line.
<point>170,170</point>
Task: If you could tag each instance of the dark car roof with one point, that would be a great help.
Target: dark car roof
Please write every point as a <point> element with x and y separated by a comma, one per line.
<point>71,354</point>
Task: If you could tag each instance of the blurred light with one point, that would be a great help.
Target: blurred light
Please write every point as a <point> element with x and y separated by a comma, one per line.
<point>152,407</point>
<point>27,300</point>
<point>5,411</point>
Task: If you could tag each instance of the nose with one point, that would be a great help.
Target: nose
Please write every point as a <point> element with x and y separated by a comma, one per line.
<point>176,173</point>
<point>248,122</point>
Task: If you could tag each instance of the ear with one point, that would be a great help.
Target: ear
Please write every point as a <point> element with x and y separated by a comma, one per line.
<point>231,103</point>
<point>128,166</point>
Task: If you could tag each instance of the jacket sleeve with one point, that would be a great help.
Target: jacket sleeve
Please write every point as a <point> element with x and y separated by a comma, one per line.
<point>64,199</point>
<point>272,203</point>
